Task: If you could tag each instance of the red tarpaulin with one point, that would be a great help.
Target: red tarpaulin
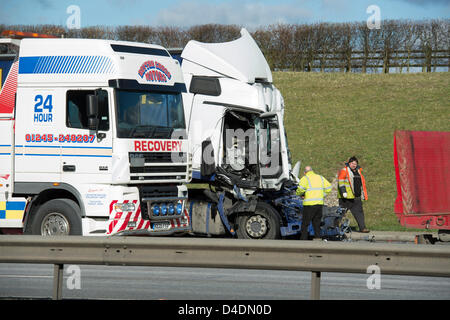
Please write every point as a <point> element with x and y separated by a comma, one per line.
<point>422,169</point>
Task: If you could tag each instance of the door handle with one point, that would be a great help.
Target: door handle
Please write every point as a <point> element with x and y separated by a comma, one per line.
<point>69,168</point>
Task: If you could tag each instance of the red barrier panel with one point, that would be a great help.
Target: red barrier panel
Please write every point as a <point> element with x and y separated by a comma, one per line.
<point>422,170</point>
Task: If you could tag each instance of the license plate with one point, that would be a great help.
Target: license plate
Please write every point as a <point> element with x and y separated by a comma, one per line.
<point>162,225</point>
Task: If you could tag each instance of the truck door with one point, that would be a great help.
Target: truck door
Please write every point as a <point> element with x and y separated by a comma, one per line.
<point>270,148</point>
<point>86,155</point>
<point>38,122</point>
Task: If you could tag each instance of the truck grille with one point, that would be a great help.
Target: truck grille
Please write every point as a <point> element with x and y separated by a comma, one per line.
<point>158,169</point>
<point>158,166</point>
<point>160,157</point>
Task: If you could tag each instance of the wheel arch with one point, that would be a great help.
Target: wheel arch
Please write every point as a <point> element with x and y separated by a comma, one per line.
<point>41,193</point>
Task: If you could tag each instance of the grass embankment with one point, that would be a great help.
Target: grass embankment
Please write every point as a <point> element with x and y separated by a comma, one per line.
<point>330,117</point>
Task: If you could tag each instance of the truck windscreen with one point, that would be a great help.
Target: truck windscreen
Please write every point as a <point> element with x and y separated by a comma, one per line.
<point>149,115</point>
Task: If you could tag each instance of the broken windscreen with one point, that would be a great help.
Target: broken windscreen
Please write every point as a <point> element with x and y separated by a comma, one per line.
<point>142,114</point>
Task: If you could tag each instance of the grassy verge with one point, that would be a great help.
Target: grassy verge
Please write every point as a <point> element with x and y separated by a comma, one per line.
<point>330,117</point>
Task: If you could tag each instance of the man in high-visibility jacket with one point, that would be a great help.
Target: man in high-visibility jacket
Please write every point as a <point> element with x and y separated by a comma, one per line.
<point>314,187</point>
<point>352,190</point>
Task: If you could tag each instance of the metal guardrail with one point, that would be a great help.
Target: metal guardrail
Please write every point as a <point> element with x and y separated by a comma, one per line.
<point>317,257</point>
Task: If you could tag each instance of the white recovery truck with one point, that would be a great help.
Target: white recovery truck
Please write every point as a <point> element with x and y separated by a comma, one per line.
<point>239,145</point>
<point>93,140</point>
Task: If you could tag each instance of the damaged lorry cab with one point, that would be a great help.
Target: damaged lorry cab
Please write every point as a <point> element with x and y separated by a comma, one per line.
<point>239,145</point>
<point>93,140</point>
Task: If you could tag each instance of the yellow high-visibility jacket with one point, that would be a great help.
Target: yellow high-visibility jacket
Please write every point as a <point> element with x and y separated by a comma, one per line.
<point>314,187</point>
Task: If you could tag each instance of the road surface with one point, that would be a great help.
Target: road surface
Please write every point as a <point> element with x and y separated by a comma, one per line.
<point>168,283</point>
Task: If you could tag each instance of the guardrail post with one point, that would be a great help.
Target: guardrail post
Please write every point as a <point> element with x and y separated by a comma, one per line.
<point>57,281</point>
<point>315,285</point>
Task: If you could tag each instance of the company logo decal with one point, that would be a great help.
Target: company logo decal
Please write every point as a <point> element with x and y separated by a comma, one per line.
<point>158,145</point>
<point>154,71</point>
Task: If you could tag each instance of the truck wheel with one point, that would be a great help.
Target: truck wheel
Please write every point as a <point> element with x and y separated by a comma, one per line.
<point>444,235</point>
<point>264,223</point>
<point>58,217</point>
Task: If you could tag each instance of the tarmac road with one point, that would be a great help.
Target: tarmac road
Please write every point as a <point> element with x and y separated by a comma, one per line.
<point>153,283</point>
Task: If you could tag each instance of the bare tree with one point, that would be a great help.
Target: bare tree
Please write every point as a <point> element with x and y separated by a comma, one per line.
<point>263,38</point>
<point>171,37</point>
<point>300,47</point>
<point>408,42</point>
<point>281,45</point>
<point>213,32</point>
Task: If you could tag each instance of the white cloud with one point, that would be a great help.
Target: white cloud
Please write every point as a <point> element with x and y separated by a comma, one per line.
<point>188,13</point>
<point>427,2</point>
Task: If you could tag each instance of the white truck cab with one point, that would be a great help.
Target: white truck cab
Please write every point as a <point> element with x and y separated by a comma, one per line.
<point>93,139</point>
<point>235,122</point>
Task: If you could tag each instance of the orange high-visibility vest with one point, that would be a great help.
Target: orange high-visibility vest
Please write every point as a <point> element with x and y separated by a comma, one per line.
<point>345,179</point>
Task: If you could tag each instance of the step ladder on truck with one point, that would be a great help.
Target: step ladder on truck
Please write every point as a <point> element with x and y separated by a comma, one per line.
<point>93,139</point>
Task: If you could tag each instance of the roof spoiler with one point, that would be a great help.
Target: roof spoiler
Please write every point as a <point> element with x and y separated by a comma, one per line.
<point>15,42</point>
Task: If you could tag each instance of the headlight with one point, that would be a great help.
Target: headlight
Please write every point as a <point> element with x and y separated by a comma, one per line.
<point>179,208</point>
<point>166,209</point>
<point>156,210</point>
<point>125,207</point>
<point>163,209</point>
<point>171,209</point>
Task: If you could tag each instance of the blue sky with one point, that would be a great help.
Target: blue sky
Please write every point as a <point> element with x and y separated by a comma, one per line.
<point>185,13</point>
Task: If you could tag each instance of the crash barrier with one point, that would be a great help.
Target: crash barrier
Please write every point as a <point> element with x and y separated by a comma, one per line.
<point>313,256</point>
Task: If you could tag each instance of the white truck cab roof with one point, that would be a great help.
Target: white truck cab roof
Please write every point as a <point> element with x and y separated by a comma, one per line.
<point>95,62</point>
<point>240,59</point>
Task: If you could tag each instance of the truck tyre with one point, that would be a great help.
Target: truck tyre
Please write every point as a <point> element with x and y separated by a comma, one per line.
<point>58,217</point>
<point>264,223</point>
<point>444,235</point>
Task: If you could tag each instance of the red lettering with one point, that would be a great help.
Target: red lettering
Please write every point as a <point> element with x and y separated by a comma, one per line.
<point>169,146</point>
<point>150,146</point>
<point>144,146</point>
<point>157,145</point>
<point>137,146</point>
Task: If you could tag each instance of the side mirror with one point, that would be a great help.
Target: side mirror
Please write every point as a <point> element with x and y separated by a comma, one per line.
<point>268,115</point>
<point>92,112</point>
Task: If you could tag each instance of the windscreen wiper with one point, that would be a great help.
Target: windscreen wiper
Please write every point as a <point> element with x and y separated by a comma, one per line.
<point>137,132</point>
<point>163,132</point>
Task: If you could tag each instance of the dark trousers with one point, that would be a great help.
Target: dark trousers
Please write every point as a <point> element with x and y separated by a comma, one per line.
<point>355,206</point>
<point>314,214</point>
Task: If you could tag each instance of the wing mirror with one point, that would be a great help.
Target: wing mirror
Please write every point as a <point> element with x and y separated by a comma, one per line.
<point>92,112</point>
